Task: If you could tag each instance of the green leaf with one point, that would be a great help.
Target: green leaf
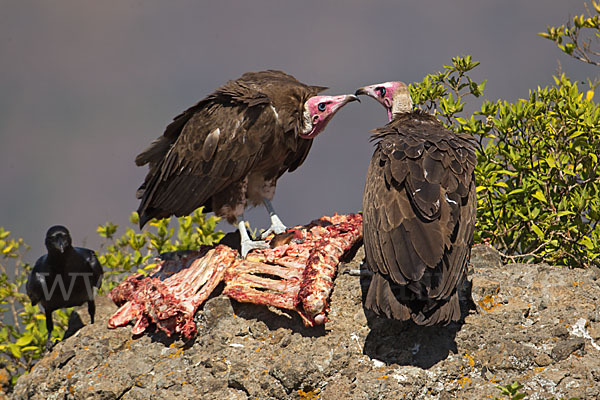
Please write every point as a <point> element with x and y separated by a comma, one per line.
<point>14,350</point>
<point>506,172</point>
<point>134,218</point>
<point>540,196</point>
<point>516,191</point>
<point>537,231</point>
<point>577,133</point>
<point>587,242</point>
<point>24,340</point>
<point>563,213</point>
<point>550,161</point>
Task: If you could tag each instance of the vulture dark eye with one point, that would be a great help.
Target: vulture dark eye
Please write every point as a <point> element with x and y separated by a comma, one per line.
<point>321,106</point>
<point>381,91</point>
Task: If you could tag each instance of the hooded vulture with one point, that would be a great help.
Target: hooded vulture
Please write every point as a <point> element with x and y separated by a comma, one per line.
<point>419,210</point>
<point>228,150</point>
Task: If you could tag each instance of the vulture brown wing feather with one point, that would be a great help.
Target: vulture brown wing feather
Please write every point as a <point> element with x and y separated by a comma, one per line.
<point>372,218</point>
<point>210,144</point>
<point>433,170</point>
<point>427,240</point>
<point>293,161</point>
<point>185,170</point>
<point>411,266</point>
<point>458,256</point>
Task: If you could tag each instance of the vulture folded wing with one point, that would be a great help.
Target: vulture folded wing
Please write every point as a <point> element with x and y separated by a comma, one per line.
<point>219,141</point>
<point>419,214</point>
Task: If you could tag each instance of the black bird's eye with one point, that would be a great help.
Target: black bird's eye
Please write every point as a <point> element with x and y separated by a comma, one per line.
<point>381,91</point>
<point>321,106</point>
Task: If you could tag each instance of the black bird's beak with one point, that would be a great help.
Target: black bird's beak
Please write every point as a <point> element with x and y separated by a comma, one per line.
<point>61,245</point>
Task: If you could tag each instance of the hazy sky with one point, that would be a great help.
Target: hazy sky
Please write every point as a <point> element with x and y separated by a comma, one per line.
<point>86,85</point>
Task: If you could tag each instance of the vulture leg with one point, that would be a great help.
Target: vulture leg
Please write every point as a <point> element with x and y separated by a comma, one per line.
<point>277,226</point>
<point>362,271</point>
<point>246,243</point>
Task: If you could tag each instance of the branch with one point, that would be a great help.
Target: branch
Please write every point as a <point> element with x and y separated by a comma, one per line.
<point>530,254</point>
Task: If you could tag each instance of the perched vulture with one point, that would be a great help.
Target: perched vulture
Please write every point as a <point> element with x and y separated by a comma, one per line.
<point>231,147</point>
<point>419,210</point>
<point>65,277</point>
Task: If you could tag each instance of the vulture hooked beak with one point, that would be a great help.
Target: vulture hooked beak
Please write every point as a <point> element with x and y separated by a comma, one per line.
<point>339,102</point>
<point>353,97</point>
<point>348,99</point>
<point>361,91</point>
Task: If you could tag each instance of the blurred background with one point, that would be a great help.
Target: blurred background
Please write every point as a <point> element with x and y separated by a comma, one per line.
<point>86,85</point>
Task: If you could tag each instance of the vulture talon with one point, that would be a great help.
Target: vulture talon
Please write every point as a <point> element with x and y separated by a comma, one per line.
<point>249,245</point>
<point>276,227</point>
<point>359,272</point>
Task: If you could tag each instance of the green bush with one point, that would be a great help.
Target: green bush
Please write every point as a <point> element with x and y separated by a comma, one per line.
<point>23,327</point>
<point>537,186</point>
<point>577,36</point>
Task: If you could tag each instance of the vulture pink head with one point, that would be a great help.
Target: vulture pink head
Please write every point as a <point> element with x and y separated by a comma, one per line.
<point>394,96</point>
<point>318,110</point>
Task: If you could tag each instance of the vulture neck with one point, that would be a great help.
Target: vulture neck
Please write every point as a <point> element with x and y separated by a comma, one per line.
<point>402,104</point>
<point>307,124</point>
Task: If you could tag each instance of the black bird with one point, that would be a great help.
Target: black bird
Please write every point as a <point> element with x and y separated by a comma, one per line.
<point>65,277</point>
<point>419,210</point>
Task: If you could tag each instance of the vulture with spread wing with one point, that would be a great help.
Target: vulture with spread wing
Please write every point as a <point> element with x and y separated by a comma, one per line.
<point>230,148</point>
<point>419,211</point>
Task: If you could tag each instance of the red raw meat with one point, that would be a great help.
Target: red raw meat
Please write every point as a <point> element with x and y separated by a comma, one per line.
<point>172,301</point>
<point>299,275</point>
<point>296,276</point>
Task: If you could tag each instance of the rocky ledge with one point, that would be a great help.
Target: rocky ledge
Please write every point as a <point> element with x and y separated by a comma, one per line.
<point>536,324</point>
